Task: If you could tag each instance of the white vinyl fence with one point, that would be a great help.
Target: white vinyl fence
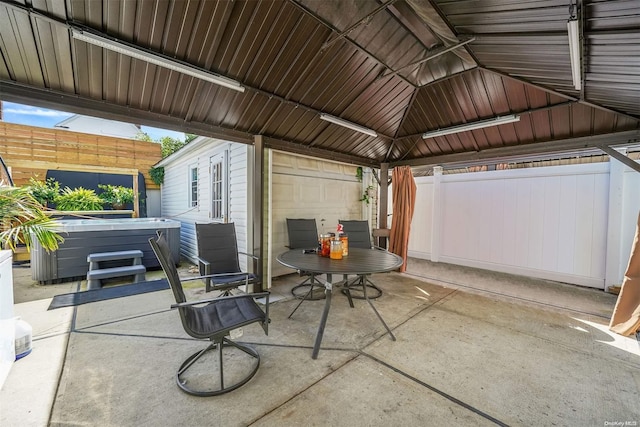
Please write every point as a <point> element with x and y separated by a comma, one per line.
<point>572,224</point>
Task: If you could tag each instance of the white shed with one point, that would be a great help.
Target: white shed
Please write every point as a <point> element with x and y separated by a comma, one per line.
<point>207,181</point>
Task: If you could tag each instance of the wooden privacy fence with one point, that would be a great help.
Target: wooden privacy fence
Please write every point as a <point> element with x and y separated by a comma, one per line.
<point>31,151</point>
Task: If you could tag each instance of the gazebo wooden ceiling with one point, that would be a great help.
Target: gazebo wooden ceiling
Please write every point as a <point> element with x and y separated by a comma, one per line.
<point>397,67</point>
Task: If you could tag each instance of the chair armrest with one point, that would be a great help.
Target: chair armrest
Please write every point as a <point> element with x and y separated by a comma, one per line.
<point>255,262</point>
<point>249,255</point>
<point>186,279</point>
<point>203,263</point>
<point>209,300</point>
<point>207,264</point>
<point>204,268</point>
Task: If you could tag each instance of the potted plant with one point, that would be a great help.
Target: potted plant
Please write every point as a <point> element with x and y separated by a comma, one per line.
<point>78,199</point>
<point>45,192</point>
<point>22,217</point>
<point>116,195</point>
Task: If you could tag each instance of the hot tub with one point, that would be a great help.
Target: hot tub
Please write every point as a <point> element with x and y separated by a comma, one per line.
<point>87,236</point>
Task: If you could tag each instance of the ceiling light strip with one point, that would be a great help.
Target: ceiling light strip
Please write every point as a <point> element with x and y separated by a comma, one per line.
<point>500,120</point>
<point>155,59</point>
<point>574,52</point>
<point>348,124</point>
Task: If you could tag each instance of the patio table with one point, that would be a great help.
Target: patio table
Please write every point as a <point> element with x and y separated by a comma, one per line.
<point>361,262</point>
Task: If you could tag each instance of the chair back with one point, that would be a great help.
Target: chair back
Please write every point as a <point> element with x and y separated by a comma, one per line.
<point>162,250</point>
<point>217,244</point>
<point>303,233</point>
<point>357,232</point>
<point>215,319</point>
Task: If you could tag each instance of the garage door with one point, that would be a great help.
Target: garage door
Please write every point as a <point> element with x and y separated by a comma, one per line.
<point>303,187</point>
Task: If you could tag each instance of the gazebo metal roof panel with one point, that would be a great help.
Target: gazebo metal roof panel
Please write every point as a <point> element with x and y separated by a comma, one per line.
<point>399,67</point>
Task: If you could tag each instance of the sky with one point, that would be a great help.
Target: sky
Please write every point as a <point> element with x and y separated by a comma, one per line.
<point>41,117</point>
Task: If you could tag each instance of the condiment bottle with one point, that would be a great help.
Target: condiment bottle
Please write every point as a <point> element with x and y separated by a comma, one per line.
<point>336,249</point>
<point>345,244</point>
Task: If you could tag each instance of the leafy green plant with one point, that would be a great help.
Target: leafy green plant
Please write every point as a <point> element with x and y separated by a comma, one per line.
<point>359,173</point>
<point>157,174</point>
<point>143,136</point>
<point>170,145</point>
<point>44,191</point>
<point>78,199</point>
<point>366,196</point>
<point>21,217</point>
<point>116,195</point>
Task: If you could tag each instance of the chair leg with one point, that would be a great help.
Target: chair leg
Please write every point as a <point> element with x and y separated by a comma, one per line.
<point>310,283</point>
<point>309,294</point>
<point>300,302</point>
<point>357,291</point>
<point>225,342</point>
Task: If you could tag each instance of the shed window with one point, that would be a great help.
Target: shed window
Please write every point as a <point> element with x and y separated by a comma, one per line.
<point>193,186</point>
<point>219,187</point>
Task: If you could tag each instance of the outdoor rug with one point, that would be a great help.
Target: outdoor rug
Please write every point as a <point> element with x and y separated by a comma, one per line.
<point>111,292</point>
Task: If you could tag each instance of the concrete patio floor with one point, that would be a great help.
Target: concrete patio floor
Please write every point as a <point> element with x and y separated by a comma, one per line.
<point>473,348</point>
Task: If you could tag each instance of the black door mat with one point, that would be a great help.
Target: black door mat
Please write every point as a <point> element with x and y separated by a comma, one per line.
<point>111,292</point>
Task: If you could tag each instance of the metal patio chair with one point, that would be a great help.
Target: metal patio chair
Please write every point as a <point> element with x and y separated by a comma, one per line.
<point>213,319</point>
<point>303,234</point>
<point>359,236</point>
<point>218,258</point>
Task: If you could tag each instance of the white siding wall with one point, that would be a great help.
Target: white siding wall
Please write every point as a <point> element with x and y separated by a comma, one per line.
<point>238,196</point>
<point>551,223</point>
<point>175,192</point>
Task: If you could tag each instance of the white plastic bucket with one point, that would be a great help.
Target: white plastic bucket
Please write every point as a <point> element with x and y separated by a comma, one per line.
<point>23,338</point>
